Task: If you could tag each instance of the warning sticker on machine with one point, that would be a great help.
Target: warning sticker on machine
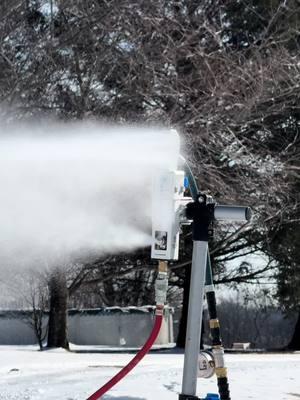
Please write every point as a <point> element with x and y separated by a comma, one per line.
<point>161,240</point>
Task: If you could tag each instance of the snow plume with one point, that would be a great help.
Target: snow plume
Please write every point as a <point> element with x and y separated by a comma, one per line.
<point>69,190</point>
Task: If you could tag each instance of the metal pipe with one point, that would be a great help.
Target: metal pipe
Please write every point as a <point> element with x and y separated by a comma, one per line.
<point>192,343</point>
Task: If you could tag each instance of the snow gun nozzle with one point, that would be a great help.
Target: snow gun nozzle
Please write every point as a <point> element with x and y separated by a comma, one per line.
<point>205,204</point>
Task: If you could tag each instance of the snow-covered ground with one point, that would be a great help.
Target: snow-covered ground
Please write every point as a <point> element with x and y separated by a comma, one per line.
<point>28,374</point>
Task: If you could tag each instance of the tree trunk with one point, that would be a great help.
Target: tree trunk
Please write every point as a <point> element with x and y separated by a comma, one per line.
<point>57,330</point>
<point>295,341</point>
<point>38,326</point>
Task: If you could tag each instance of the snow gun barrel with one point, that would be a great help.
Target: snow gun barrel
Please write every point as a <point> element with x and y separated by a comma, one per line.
<point>232,213</point>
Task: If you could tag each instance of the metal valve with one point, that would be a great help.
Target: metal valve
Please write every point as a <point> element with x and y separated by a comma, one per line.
<point>206,364</point>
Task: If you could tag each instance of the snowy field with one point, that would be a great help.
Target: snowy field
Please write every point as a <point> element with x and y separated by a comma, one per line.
<point>28,374</point>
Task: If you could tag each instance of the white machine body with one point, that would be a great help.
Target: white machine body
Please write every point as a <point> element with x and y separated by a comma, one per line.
<point>168,213</point>
<point>168,201</point>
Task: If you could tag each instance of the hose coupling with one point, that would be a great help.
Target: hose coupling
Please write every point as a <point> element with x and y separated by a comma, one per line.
<point>161,283</point>
<point>161,287</point>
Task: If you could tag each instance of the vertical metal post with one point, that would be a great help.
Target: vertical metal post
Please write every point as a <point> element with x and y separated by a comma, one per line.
<point>201,214</point>
<point>193,334</point>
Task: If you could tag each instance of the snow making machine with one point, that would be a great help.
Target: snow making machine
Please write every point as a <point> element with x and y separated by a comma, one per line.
<point>171,208</point>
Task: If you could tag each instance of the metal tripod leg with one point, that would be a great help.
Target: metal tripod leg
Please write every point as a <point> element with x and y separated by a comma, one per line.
<point>193,333</point>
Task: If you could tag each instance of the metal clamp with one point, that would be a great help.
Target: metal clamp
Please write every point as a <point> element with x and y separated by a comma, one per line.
<point>161,287</point>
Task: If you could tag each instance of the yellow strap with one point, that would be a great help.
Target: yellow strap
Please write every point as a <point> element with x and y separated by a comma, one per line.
<point>221,372</point>
<point>214,323</point>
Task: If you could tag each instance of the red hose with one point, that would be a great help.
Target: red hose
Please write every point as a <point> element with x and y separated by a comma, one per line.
<point>138,357</point>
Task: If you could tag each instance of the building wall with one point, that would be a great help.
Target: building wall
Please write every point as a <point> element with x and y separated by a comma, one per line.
<point>110,327</point>
<point>14,330</point>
